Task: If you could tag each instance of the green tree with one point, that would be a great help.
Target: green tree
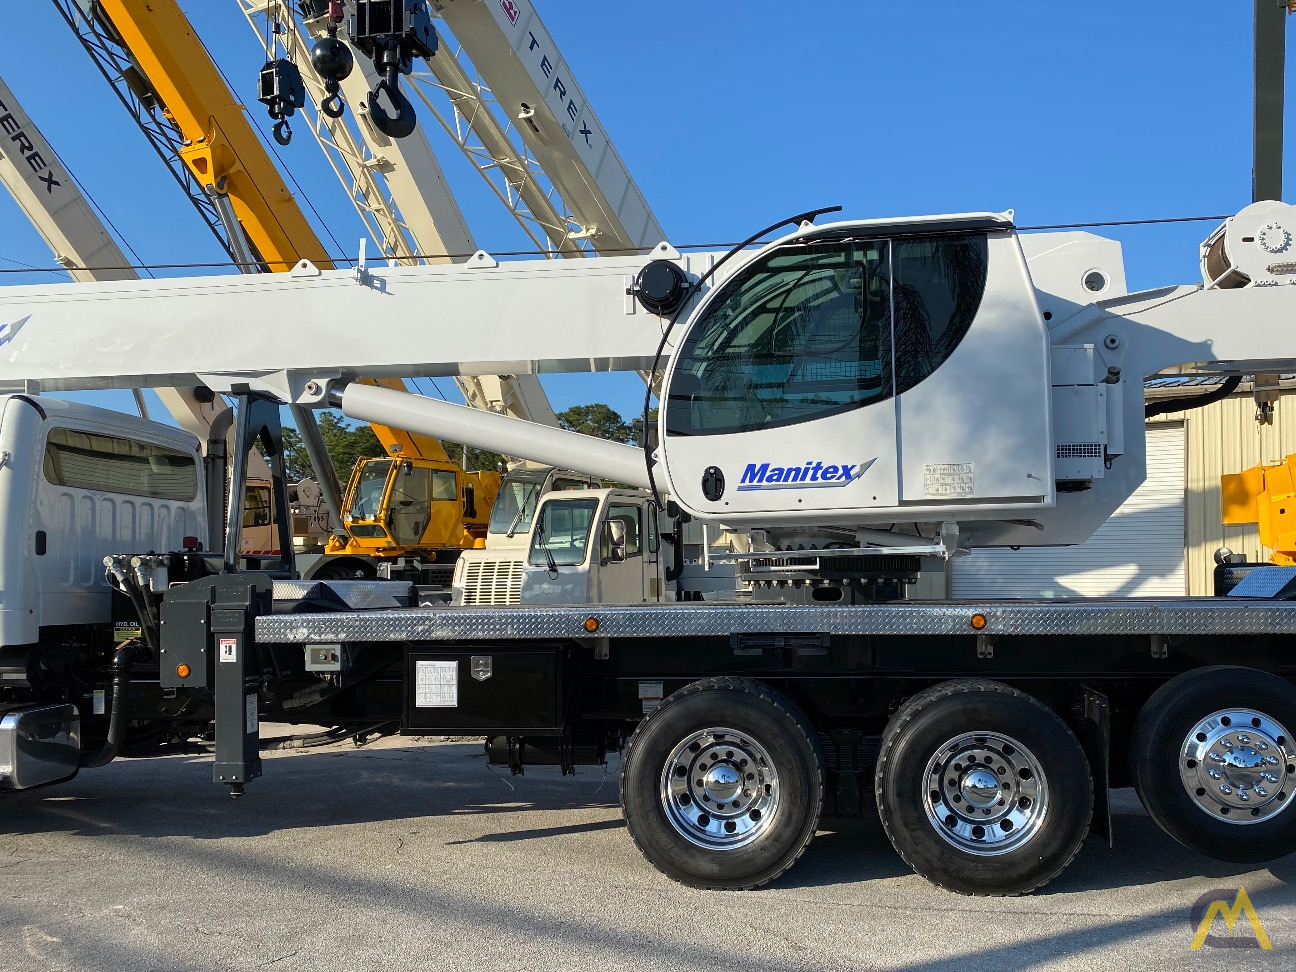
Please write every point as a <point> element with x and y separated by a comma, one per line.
<point>477,458</point>
<point>344,443</point>
<point>599,420</point>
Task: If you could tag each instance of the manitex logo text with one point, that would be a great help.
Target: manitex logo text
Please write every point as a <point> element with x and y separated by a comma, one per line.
<point>815,474</point>
<point>1215,904</point>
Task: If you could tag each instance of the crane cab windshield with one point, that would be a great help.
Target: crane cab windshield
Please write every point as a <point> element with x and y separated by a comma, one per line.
<point>817,328</point>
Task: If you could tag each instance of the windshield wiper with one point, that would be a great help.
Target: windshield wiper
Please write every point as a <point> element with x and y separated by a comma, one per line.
<point>517,518</point>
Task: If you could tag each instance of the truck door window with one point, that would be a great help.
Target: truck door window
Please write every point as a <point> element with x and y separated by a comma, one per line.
<point>654,544</point>
<point>630,516</point>
<point>562,533</point>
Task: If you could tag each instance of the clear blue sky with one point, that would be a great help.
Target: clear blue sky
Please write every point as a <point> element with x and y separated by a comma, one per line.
<point>732,115</point>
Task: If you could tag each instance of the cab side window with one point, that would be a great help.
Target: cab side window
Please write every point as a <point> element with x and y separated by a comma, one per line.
<point>630,516</point>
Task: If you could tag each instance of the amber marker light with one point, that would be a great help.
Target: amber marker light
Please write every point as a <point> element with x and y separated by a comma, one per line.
<point>978,621</point>
<point>591,624</point>
<point>182,671</point>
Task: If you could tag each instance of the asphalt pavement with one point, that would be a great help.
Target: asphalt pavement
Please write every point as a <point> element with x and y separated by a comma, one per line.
<point>412,854</point>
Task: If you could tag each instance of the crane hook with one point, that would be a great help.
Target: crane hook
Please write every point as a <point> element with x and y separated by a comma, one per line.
<point>282,133</point>
<point>333,105</point>
<point>406,119</point>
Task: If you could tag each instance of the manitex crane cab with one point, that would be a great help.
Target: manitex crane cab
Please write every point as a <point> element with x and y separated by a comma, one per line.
<point>900,382</point>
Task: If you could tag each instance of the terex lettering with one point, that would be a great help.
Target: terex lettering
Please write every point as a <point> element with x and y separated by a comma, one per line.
<point>559,88</point>
<point>814,474</point>
<point>13,128</point>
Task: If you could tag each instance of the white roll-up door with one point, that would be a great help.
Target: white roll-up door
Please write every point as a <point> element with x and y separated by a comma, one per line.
<point>1138,552</point>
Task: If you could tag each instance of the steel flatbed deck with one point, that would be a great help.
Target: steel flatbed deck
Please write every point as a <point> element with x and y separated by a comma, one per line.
<point>986,618</point>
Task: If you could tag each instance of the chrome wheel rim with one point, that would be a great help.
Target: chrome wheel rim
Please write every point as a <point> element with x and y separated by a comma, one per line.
<point>985,793</point>
<point>719,789</point>
<point>1238,765</point>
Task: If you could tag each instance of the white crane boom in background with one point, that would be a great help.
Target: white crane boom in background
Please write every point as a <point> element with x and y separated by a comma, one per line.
<point>49,196</point>
<point>400,192</point>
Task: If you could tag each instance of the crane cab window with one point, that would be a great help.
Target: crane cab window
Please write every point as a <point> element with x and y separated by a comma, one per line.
<point>816,329</point>
<point>368,493</point>
<point>516,503</point>
<point>413,492</point>
<point>561,536</point>
<point>445,485</point>
<point>258,510</point>
<point>112,464</point>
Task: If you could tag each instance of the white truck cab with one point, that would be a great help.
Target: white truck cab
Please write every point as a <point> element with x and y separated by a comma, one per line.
<point>78,483</point>
<point>581,546</point>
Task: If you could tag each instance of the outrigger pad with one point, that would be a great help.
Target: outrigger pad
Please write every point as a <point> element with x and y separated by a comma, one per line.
<point>296,596</point>
<point>1271,582</point>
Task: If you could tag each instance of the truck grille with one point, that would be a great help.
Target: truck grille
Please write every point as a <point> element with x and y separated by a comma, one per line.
<point>492,582</point>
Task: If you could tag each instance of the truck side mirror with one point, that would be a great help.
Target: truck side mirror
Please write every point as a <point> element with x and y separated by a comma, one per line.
<point>614,542</point>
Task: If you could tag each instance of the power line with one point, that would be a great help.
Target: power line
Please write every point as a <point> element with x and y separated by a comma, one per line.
<point>251,116</point>
<point>622,250</point>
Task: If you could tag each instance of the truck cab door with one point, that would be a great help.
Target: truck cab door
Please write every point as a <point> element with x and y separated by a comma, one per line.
<point>622,554</point>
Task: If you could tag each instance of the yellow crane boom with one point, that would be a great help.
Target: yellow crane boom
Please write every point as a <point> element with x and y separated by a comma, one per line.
<point>225,155</point>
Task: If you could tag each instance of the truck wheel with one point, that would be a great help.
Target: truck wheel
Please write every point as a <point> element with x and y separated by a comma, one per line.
<point>982,788</point>
<point>722,784</point>
<point>1215,763</point>
<point>344,568</point>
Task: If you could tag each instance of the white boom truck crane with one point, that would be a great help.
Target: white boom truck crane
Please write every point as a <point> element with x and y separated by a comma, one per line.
<point>865,392</point>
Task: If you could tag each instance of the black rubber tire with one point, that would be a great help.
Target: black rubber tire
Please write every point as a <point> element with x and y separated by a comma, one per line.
<point>956,707</point>
<point>346,568</point>
<point>1161,728</point>
<point>772,720</point>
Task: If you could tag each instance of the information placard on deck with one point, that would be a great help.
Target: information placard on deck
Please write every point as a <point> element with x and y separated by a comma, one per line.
<point>436,684</point>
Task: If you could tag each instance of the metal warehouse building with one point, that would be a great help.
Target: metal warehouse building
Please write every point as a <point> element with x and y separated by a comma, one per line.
<point>1163,540</point>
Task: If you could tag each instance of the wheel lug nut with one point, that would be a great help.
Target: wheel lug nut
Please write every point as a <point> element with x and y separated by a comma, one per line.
<point>1216,774</point>
<point>1261,791</point>
<point>1243,739</point>
<point>1225,789</point>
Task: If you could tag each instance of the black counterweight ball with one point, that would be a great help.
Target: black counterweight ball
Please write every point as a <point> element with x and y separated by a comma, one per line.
<point>332,59</point>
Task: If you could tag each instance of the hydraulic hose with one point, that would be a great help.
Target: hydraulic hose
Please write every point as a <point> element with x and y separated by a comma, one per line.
<point>1184,403</point>
<point>122,662</point>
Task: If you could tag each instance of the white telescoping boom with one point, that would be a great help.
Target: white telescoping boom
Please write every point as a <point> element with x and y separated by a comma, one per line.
<point>853,376</point>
